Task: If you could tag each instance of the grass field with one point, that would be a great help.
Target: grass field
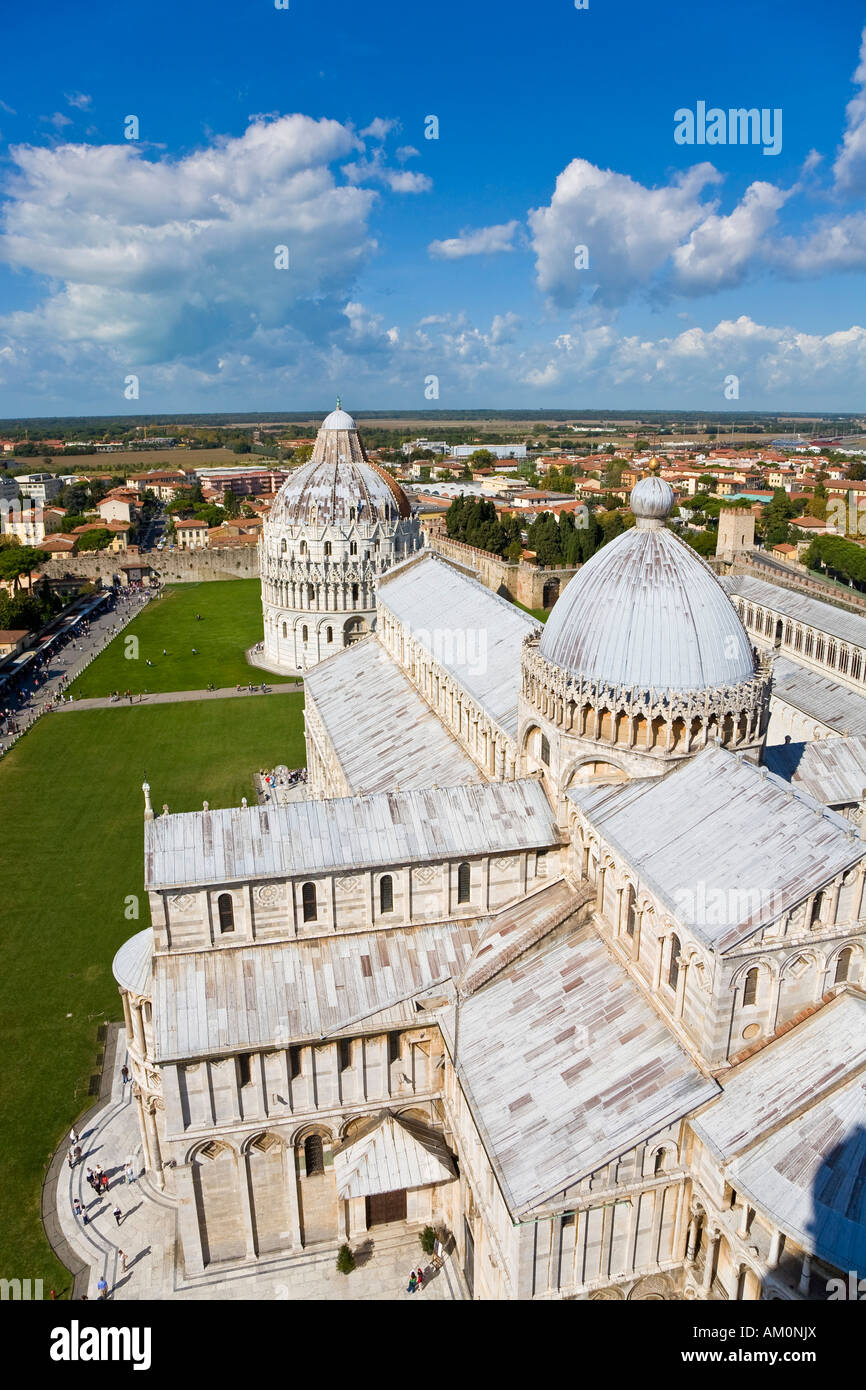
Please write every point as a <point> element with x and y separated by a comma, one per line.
<point>542,614</point>
<point>231,623</point>
<point>71,810</point>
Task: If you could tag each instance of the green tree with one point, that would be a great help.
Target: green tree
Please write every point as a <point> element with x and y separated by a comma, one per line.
<point>96,539</point>
<point>345,1260</point>
<point>20,560</point>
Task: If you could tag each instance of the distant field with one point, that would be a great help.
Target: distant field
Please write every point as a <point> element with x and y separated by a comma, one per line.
<point>231,623</point>
<point>71,810</point>
<point>128,461</point>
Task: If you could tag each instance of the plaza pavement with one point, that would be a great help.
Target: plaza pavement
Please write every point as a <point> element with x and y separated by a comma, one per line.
<point>170,697</point>
<point>148,1230</point>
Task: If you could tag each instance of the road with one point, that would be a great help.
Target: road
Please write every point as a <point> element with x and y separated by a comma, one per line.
<point>170,697</point>
<point>67,663</point>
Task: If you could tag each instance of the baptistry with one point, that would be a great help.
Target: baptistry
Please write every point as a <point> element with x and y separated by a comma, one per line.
<point>336,525</point>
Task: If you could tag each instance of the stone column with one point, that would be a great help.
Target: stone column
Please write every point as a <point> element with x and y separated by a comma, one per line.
<point>246,1204</point>
<point>152,1142</point>
<point>805,1276</point>
<point>775,1248</point>
<point>713,1236</point>
<point>290,1177</point>
<point>692,1237</point>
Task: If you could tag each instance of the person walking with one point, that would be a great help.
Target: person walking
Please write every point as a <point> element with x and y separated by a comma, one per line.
<point>420,1277</point>
<point>118,1215</point>
<point>77,1152</point>
<point>102,1286</point>
<point>124,1074</point>
<point>104,1180</point>
<point>76,1207</point>
<point>122,1254</point>
<point>413,1282</point>
<point>91,1178</point>
<point>73,1137</point>
<point>130,1171</point>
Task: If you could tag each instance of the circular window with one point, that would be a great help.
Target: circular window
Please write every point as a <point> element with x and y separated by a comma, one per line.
<point>752,1030</point>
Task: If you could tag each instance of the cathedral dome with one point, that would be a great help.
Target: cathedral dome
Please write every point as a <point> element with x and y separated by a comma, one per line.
<point>338,485</point>
<point>647,613</point>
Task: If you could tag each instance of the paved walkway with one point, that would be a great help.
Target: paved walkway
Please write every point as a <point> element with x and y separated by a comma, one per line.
<point>148,1231</point>
<point>169,697</point>
<point>65,665</point>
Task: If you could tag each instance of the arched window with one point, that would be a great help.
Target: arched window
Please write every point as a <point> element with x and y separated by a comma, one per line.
<point>659,1162</point>
<point>815,914</point>
<point>354,593</point>
<point>308,898</point>
<point>314,1155</point>
<point>353,547</point>
<point>327,547</point>
<point>303,547</point>
<point>463,883</point>
<point>304,633</point>
<point>386,894</point>
<point>843,966</point>
<point>674,963</point>
<point>330,634</point>
<point>311,593</point>
<point>630,912</point>
<point>545,751</point>
<point>283,546</point>
<point>285,629</point>
<point>226,910</point>
<point>750,988</point>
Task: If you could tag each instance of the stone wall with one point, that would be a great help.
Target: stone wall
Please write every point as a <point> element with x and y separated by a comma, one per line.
<point>535,586</point>
<point>172,566</point>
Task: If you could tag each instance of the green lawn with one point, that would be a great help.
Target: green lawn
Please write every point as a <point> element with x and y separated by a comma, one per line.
<point>231,623</point>
<point>71,814</point>
<point>542,614</point>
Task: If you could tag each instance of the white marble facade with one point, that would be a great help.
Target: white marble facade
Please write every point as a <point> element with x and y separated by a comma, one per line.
<point>539,940</point>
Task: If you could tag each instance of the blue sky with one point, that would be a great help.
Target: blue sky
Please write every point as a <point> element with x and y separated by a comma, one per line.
<point>413,258</point>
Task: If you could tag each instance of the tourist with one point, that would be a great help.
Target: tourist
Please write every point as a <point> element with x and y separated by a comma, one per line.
<point>104,1182</point>
<point>102,1287</point>
<point>413,1282</point>
<point>118,1215</point>
<point>122,1254</point>
<point>73,1137</point>
<point>124,1074</point>
<point>130,1170</point>
<point>77,1152</point>
<point>420,1277</point>
<point>76,1207</point>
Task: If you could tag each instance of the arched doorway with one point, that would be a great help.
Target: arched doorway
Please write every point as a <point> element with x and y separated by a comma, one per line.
<point>550,593</point>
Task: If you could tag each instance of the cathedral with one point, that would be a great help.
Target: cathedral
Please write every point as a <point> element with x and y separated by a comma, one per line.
<point>547,957</point>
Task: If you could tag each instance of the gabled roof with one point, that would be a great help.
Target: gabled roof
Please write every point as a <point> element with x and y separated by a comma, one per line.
<point>725,845</point>
<point>383,732</point>
<point>829,702</point>
<point>470,631</point>
<point>389,1155</point>
<point>216,1002</point>
<point>848,627</point>
<point>565,1066</point>
<point>789,1132</point>
<point>832,770</point>
<point>346,833</point>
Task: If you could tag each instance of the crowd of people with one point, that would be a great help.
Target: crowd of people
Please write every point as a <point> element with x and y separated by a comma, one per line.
<point>101,1182</point>
<point>38,688</point>
<point>280,777</point>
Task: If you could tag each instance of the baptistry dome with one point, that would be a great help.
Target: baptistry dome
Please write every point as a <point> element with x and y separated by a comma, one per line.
<point>646,612</point>
<point>338,485</point>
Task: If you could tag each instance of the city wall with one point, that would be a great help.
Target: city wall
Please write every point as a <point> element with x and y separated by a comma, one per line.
<point>173,567</point>
<point>535,586</point>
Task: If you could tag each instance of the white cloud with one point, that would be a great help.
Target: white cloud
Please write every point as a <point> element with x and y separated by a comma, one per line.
<point>405,152</point>
<point>78,99</point>
<point>379,128</point>
<point>849,168</point>
<point>720,250</point>
<point>162,258</point>
<point>58,120</point>
<point>631,232</point>
<point>485,241</point>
